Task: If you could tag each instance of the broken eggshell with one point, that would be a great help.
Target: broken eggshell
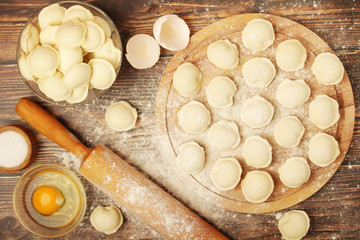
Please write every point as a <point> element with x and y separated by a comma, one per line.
<point>142,51</point>
<point>171,32</point>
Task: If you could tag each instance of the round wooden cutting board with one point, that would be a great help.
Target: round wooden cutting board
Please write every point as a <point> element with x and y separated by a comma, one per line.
<point>171,136</point>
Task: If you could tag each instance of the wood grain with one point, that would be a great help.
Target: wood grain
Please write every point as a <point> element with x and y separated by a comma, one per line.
<point>334,209</point>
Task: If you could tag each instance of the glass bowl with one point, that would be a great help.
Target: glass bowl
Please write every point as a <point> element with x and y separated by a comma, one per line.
<point>67,217</point>
<point>93,93</point>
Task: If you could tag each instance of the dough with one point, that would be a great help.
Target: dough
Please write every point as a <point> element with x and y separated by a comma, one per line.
<point>258,72</point>
<point>258,34</point>
<point>291,55</point>
<point>294,225</point>
<point>289,131</point>
<point>224,135</point>
<point>257,152</point>
<point>193,117</point>
<point>191,157</point>
<point>257,112</point>
<point>226,173</point>
<point>257,186</point>
<point>106,219</point>
<point>223,54</point>
<point>324,111</point>
<point>103,74</point>
<point>294,172</point>
<point>121,116</point>
<point>293,93</point>
<point>220,92</point>
<point>328,69</point>
<point>323,149</point>
<point>187,79</point>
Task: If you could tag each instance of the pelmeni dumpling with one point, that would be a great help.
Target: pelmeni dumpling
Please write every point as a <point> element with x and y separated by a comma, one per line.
<point>29,38</point>
<point>226,173</point>
<point>294,225</point>
<point>293,93</point>
<point>258,72</point>
<point>71,34</point>
<point>69,57</point>
<point>258,34</point>
<point>324,111</point>
<point>24,69</point>
<point>106,219</point>
<point>95,37</point>
<point>223,54</point>
<point>77,76</point>
<point>78,94</point>
<point>224,135</point>
<point>191,157</point>
<point>291,55</point>
<point>103,74</point>
<point>78,12</point>
<point>294,172</point>
<point>51,15</point>
<point>220,92</point>
<point>103,24</point>
<point>47,35</point>
<point>108,52</point>
<point>257,152</point>
<point>54,88</point>
<point>289,131</point>
<point>121,116</point>
<point>257,112</point>
<point>187,79</point>
<point>43,61</point>
<point>257,186</point>
<point>323,149</point>
<point>328,69</point>
<point>193,117</point>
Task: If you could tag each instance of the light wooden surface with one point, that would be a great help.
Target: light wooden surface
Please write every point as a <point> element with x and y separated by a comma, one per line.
<point>334,210</point>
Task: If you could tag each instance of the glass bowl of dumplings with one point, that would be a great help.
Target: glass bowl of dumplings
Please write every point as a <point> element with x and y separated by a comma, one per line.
<point>69,53</point>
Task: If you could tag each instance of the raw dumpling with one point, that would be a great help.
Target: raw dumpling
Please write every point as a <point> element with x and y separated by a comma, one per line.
<point>257,186</point>
<point>291,55</point>
<point>224,135</point>
<point>94,38</point>
<point>69,57</point>
<point>121,116</point>
<point>257,152</point>
<point>109,52</point>
<point>258,72</point>
<point>294,172</point>
<point>24,69</point>
<point>54,88</point>
<point>78,94</point>
<point>103,24</point>
<point>258,34</point>
<point>324,111</point>
<point>226,173</point>
<point>43,61</point>
<point>193,117</point>
<point>187,79</point>
<point>106,219</point>
<point>51,15</point>
<point>220,92</point>
<point>257,112</point>
<point>77,76</point>
<point>71,34</point>
<point>78,12</point>
<point>29,38</point>
<point>294,225</point>
<point>191,157</point>
<point>293,93</point>
<point>289,131</point>
<point>328,69</point>
<point>323,149</point>
<point>223,54</point>
<point>103,74</point>
<point>48,35</point>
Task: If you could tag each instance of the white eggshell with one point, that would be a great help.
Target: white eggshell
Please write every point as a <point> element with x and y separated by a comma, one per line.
<point>142,51</point>
<point>78,94</point>
<point>69,57</point>
<point>47,35</point>
<point>24,69</point>
<point>171,32</point>
<point>104,25</point>
<point>78,12</point>
<point>71,34</point>
<point>43,61</point>
<point>95,37</point>
<point>108,52</point>
<point>77,76</point>
<point>103,74</point>
<point>29,38</point>
<point>53,87</point>
<point>51,15</point>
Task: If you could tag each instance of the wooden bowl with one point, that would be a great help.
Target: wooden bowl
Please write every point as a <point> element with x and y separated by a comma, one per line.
<point>31,144</point>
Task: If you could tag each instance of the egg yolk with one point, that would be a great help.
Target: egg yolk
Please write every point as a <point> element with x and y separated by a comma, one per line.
<point>47,199</point>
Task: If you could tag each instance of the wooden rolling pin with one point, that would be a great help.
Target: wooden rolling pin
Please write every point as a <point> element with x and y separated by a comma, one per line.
<point>122,182</point>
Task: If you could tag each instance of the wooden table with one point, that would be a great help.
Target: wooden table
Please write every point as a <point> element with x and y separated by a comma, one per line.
<point>334,210</point>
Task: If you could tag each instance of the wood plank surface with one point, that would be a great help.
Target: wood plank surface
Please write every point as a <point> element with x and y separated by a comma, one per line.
<point>334,211</point>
